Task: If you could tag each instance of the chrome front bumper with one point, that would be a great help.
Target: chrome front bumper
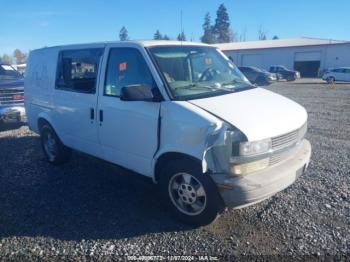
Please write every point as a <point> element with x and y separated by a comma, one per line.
<point>242,191</point>
<point>15,113</point>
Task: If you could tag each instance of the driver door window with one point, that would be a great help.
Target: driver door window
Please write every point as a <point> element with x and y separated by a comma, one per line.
<point>126,66</point>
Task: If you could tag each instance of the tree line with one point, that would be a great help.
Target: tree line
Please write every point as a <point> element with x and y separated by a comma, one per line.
<point>219,32</point>
<point>17,57</point>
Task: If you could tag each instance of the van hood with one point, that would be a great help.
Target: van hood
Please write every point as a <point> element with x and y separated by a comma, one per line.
<point>258,113</point>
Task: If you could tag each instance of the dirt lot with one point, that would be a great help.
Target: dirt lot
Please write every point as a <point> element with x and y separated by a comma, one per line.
<point>89,207</point>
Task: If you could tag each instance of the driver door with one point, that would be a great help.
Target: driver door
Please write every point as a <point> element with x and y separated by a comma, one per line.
<point>128,130</point>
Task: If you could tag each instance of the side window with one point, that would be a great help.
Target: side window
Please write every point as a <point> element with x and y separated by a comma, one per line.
<point>77,70</point>
<point>126,66</point>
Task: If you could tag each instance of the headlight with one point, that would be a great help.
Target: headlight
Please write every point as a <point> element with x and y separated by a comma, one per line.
<point>254,148</point>
<point>243,169</point>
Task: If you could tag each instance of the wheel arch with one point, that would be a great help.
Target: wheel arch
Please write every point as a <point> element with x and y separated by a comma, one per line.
<point>171,156</point>
<point>42,119</point>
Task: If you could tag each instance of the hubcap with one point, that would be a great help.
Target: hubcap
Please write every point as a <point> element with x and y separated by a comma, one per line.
<point>50,146</point>
<point>187,194</point>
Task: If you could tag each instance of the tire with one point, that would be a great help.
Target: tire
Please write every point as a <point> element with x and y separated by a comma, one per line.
<point>55,152</point>
<point>290,78</point>
<point>191,195</point>
<point>330,80</point>
<point>261,81</point>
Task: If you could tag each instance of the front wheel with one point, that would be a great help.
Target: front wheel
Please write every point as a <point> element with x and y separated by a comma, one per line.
<point>192,196</point>
<point>330,80</point>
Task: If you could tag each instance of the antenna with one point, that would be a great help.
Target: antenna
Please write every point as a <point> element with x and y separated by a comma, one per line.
<point>181,27</point>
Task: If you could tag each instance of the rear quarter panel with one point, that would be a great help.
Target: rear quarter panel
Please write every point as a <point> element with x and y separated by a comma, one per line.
<point>39,83</point>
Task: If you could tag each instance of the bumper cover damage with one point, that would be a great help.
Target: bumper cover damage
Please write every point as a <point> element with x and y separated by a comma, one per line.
<point>241,191</point>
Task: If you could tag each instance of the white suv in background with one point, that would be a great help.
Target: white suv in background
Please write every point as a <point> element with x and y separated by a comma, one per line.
<point>341,74</point>
<point>180,113</point>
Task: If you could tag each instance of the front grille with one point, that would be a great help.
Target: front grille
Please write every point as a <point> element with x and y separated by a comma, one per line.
<point>11,96</point>
<point>284,140</point>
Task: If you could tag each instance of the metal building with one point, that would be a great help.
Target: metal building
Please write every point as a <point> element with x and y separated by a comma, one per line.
<point>306,55</point>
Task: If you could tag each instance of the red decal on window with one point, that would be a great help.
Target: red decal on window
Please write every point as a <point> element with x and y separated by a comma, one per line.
<point>122,66</point>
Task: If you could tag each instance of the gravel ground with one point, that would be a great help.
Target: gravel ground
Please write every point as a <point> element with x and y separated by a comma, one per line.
<point>89,209</point>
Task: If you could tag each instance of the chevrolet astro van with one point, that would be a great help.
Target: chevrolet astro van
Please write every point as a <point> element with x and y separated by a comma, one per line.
<point>180,113</point>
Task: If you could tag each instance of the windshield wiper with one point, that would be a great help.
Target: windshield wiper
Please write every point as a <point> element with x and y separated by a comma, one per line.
<point>196,86</point>
<point>234,82</point>
<point>242,83</point>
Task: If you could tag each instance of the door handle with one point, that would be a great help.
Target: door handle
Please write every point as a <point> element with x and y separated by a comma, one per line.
<point>101,115</point>
<point>92,113</point>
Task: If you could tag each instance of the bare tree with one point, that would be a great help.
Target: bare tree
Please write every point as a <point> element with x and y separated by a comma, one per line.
<point>19,56</point>
<point>6,59</point>
<point>233,36</point>
<point>243,35</point>
<point>262,33</point>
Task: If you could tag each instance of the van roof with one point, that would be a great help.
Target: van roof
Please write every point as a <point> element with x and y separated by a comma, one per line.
<point>145,43</point>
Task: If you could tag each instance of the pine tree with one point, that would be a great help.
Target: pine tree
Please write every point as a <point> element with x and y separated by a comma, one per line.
<point>181,36</point>
<point>123,34</point>
<point>275,37</point>
<point>157,35</point>
<point>208,36</point>
<point>222,25</point>
<point>166,37</point>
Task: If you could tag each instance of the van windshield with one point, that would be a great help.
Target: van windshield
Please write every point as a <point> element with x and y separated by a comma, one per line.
<point>198,71</point>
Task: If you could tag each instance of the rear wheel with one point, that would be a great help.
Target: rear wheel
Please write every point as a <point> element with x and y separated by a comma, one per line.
<point>56,153</point>
<point>192,196</point>
<point>261,81</point>
<point>330,80</point>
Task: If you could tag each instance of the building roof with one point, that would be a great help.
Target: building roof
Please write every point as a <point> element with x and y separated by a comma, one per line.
<point>279,43</point>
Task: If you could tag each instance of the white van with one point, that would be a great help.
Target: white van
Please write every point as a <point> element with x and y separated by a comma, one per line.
<point>180,113</point>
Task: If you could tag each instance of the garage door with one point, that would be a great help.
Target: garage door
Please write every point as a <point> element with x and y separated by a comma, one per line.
<point>307,56</point>
<point>252,60</point>
<point>307,63</point>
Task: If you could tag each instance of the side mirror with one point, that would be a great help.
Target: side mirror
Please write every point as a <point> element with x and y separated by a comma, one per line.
<point>137,93</point>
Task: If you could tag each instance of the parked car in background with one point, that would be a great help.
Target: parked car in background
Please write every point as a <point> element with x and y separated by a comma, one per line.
<point>21,68</point>
<point>274,75</point>
<point>341,74</point>
<point>287,74</point>
<point>11,95</point>
<point>180,113</point>
<point>322,72</point>
<point>257,76</point>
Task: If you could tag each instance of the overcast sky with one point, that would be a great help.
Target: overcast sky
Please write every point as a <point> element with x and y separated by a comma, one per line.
<point>34,24</point>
